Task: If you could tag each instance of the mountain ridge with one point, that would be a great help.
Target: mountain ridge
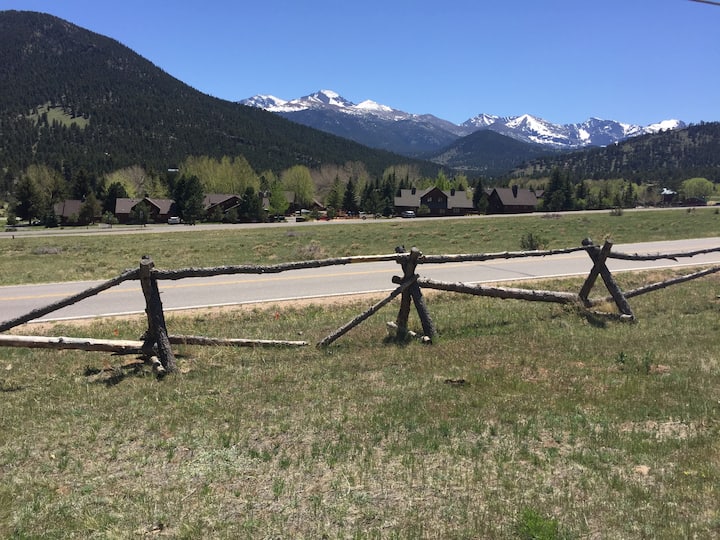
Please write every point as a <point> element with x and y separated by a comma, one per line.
<point>525,127</point>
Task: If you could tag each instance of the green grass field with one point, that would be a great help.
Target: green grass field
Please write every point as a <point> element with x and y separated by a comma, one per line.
<point>51,258</point>
<point>523,420</point>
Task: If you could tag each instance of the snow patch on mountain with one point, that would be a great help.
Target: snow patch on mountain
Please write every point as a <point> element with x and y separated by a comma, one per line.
<point>664,126</point>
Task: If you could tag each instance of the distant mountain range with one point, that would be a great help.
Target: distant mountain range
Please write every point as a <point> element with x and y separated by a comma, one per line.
<point>380,126</point>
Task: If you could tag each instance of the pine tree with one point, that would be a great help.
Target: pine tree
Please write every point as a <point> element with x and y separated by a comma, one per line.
<point>349,203</point>
<point>114,192</point>
<point>189,197</point>
<point>480,201</point>
<point>335,197</point>
<point>89,210</point>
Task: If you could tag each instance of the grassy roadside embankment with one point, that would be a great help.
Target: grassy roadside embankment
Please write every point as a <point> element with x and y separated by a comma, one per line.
<point>524,420</point>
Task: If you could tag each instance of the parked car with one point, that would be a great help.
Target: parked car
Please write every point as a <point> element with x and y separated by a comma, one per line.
<point>407,214</point>
<point>174,220</point>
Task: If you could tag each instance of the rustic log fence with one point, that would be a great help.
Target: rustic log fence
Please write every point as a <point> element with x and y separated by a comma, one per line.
<point>156,343</point>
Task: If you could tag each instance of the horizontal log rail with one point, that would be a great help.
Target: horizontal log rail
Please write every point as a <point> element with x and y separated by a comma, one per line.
<point>155,344</point>
<point>658,256</point>
<point>504,293</point>
<point>481,257</point>
<point>270,269</point>
<point>129,346</point>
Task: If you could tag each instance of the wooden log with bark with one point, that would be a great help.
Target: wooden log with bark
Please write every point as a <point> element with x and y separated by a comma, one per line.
<point>599,256</point>
<point>118,346</point>
<point>660,285</point>
<point>412,295</point>
<point>272,268</point>
<point>233,342</point>
<point>504,293</point>
<point>127,346</point>
<point>655,257</point>
<point>598,263</point>
<point>480,257</point>
<point>363,316</point>
<point>156,335</point>
<point>70,300</point>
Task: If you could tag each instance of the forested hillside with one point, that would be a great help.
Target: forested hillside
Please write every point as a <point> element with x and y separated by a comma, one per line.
<point>488,153</point>
<point>668,157</point>
<point>72,99</point>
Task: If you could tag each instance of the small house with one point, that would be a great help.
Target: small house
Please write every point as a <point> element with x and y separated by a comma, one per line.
<point>438,202</point>
<point>67,211</point>
<point>217,204</point>
<point>512,200</point>
<point>128,210</point>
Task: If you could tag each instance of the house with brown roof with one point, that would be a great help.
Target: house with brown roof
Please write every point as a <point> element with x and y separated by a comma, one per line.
<point>217,204</point>
<point>127,211</point>
<point>439,202</point>
<point>67,211</point>
<point>512,200</point>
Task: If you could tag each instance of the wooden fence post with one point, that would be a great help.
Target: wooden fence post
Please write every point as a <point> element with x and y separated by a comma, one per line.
<point>599,257</point>
<point>413,294</point>
<point>408,267</point>
<point>157,331</point>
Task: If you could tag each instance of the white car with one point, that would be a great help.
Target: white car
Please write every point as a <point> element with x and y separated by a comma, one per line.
<point>174,220</point>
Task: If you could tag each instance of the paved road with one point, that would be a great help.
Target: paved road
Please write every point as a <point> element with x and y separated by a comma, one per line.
<point>322,282</point>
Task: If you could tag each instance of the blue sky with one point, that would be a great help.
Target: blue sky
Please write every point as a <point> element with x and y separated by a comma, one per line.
<point>636,61</point>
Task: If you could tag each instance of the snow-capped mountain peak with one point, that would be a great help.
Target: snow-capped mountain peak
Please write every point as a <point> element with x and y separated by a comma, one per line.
<point>370,123</point>
<point>370,105</point>
<point>264,102</point>
<point>481,121</point>
<point>328,97</point>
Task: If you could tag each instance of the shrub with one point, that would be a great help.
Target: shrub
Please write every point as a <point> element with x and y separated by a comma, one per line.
<point>531,242</point>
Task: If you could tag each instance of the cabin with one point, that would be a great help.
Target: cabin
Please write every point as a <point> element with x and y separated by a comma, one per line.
<point>216,205</point>
<point>512,200</point>
<point>127,211</point>
<point>439,202</point>
<point>67,211</point>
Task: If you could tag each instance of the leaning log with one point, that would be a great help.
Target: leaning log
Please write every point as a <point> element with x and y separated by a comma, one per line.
<point>363,316</point>
<point>598,257</point>
<point>504,293</point>
<point>119,346</point>
<point>599,263</point>
<point>70,300</point>
<point>660,285</point>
